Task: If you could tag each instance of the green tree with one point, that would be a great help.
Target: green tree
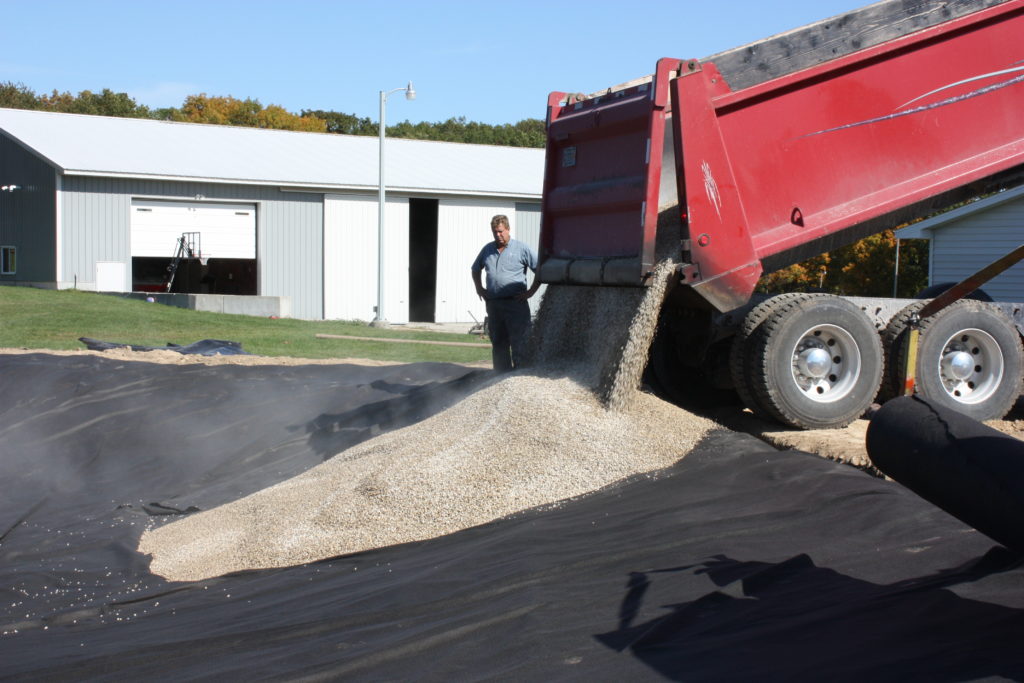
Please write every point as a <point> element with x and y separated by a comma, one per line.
<point>105,103</point>
<point>526,133</point>
<point>17,96</point>
<point>345,124</point>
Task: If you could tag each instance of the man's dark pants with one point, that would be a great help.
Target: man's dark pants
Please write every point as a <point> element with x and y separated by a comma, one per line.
<point>509,323</point>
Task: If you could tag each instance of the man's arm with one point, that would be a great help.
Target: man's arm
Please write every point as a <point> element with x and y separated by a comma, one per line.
<point>480,291</point>
<point>530,261</point>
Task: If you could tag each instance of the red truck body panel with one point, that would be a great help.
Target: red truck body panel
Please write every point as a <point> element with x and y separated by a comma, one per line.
<point>816,157</point>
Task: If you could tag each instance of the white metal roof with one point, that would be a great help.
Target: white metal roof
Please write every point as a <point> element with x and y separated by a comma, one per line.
<point>77,144</point>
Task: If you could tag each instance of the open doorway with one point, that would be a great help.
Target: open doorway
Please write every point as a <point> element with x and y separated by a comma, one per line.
<point>422,259</point>
<point>193,247</point>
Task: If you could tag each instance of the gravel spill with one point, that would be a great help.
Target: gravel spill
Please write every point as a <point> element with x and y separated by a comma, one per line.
<point>532,438</point>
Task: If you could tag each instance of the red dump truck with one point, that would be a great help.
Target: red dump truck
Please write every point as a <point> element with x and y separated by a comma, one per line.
<point>761,157</point>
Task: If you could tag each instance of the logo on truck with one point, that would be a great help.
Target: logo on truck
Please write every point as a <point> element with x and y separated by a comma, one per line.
<point>711,188</point>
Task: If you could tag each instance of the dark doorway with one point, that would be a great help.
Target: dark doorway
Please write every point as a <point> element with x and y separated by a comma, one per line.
<point>422,259</point>
<point>217,276</point>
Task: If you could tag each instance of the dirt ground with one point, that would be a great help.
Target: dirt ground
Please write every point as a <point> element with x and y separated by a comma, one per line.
<point>843,445</point>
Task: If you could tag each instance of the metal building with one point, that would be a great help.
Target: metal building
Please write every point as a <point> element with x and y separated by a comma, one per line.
<point>100,203</point>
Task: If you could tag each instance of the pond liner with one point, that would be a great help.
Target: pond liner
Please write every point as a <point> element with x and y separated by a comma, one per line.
<point>739,562</point>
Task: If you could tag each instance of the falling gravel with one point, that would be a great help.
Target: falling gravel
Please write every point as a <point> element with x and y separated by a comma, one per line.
<point>572,424</point>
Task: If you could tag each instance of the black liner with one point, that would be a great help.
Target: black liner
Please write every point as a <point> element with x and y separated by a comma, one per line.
<point>740,563</point>
<point>203,347</point>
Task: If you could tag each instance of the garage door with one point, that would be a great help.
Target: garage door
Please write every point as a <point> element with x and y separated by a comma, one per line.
<point>225,230</point>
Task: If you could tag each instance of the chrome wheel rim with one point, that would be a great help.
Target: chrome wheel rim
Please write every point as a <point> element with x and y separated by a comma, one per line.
<point>826,363</point>
<point>971,366</point>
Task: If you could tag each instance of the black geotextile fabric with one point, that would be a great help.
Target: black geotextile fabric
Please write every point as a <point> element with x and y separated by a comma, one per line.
<point>203,347</point>
<point>739,563</point>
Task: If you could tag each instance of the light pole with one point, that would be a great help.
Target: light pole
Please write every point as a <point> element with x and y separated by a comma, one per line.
<point>410,94</point>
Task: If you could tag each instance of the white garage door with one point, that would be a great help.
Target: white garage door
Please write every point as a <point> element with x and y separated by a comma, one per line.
<point>225,230</point>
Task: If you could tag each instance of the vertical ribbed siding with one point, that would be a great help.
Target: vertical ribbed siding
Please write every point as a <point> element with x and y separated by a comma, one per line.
<point>289,238</point>
<point>96,226</point>
<point>463,228</point>
<point>965,246</point>
<point>27,215</point>
<point>528,230</point>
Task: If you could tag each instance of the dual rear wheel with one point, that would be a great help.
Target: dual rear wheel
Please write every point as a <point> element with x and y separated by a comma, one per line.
<point>968,358</point>
<point>816,361</point>
<point>813,361</point>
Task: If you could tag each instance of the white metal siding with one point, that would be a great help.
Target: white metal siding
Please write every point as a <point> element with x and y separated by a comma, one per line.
<point>225,230</point>
<point>463,228</point>
<point>528,226</point>
<point>95,217</point>
<point>350,258</point>
<point>964,247</point>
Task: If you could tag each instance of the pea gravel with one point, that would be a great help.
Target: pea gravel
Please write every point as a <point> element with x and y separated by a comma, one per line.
<point>527,439</point>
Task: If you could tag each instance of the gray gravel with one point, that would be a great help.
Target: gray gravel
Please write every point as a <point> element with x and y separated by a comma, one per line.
<point>525,440</point>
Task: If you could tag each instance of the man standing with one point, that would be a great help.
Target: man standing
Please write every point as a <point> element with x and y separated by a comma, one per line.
<point>508,314</point>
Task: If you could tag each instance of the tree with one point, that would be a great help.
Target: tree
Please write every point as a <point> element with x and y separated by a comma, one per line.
<point>106,103</point>
<point>231,111</point>
<point>203,108</point>
<point>345,124</point>
<point>17,96</point>
<point>864,268</point>
<point>526,133</point>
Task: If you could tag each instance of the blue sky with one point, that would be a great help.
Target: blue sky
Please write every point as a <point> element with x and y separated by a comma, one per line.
<point>492,62</point>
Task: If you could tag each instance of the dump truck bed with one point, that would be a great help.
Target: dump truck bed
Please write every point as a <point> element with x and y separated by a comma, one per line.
<point>762,156</point>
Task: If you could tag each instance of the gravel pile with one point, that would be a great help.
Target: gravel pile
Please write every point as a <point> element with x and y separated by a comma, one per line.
<point>523,441</point>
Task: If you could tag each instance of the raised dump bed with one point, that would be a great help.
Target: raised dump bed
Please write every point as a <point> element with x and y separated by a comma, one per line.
<point>760,157</point>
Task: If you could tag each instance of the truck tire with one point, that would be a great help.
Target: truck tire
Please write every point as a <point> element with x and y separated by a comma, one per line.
<point>673,374</point>
<point>817,362</point>
<point>742,362</point>
<point>969,358</point>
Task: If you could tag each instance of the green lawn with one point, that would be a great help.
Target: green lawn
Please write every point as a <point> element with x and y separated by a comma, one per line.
<point>50,319</point>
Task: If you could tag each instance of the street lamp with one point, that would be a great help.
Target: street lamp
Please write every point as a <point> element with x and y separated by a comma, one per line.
<point>410,94</point>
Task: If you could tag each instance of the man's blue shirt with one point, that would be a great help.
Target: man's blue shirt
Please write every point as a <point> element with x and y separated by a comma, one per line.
<point>506,270</point>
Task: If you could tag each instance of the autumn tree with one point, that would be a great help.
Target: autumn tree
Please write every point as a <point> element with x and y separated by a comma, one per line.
<point>203,108</point>
<point>231,111</point>
<point>864,268</point>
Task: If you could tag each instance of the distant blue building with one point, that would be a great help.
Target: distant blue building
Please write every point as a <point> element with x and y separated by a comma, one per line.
<point>965,240</point>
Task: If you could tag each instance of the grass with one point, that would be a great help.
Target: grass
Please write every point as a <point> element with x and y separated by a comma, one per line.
<point>54,319</point>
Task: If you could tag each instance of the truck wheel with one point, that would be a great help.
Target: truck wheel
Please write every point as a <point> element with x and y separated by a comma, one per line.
<point>969,358</point>
<point>674,375</point>
<point>742,362</point>
<point>818,362</point>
